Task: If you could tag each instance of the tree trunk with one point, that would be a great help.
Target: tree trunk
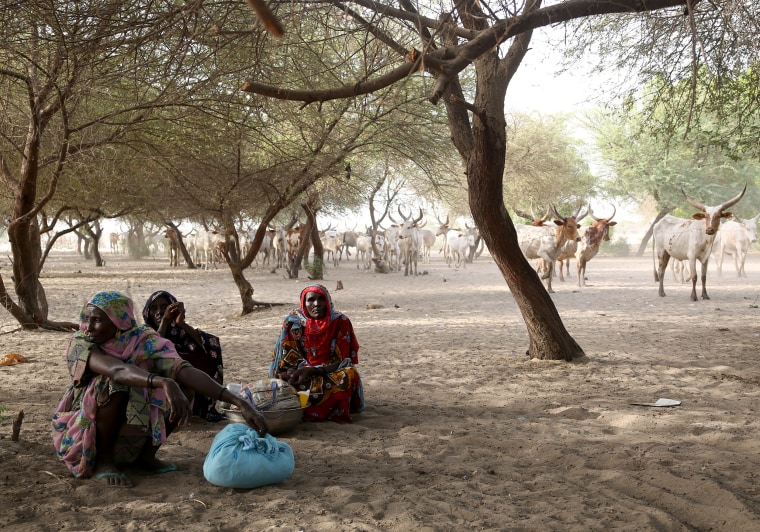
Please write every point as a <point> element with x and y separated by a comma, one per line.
<point>484,152</point>
<point>648,234</point>
<point>95,235</point>
<point>24,238</point>
<point>317,263</point>
<point>295,264</point>
<point>244,288</point>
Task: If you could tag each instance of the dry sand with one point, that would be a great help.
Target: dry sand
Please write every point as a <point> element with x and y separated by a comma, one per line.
<point>461,431</point>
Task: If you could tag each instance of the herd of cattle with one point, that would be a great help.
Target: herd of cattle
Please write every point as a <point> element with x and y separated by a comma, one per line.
<point>552,244</point>
<point>395,248</point>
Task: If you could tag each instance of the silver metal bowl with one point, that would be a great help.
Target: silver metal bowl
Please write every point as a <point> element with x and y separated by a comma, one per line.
<point>279,421</point>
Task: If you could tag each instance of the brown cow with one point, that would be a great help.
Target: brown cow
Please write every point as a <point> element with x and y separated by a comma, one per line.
<point>173,246</point>
<point>591,239</point>
<point>114,239</point>
<point>545,242</point>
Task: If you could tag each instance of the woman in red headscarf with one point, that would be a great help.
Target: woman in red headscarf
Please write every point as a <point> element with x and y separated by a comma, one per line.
<point>317,351</point>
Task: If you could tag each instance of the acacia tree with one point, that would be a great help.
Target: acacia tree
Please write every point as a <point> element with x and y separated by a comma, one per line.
<point>77,76</point>
<point>642,167</point>
<point>492,39</point>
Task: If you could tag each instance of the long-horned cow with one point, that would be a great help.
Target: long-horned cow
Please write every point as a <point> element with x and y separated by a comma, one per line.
<point>545,242</point>
<point>173,246</point>
<point>591,238</point>
<point>410,241</point>
<point>685,239</point>
<point>735,238</point>
<point>428,239</point>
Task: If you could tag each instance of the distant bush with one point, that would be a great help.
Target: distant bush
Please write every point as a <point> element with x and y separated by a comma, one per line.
<point>618,247</point>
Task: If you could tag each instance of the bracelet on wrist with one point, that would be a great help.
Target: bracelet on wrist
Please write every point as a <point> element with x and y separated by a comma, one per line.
<point>149,382</point>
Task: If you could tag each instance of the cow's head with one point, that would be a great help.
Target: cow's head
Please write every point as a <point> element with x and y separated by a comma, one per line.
<point>751,225</point>
<point>603,224</point>
<point>568,225</point>
<point>535,220</point>
<point>712,215</point>
<point>443,227</point>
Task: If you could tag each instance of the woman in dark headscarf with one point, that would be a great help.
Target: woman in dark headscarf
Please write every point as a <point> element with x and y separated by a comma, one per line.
<point>317,351</point>
<point>166,315</point>
<point>125,398</point>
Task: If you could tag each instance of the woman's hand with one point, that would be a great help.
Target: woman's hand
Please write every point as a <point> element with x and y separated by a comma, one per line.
<point>253,418</point>
<point>175,312</point>
<point>302,375</point>
<point>178,404</point>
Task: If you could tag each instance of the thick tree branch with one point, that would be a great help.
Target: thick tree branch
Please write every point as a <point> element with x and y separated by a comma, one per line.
<point>346,91</point>
<point>450,61</point>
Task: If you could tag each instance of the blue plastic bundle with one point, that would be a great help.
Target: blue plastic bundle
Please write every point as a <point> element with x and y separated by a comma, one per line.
<point>240,458</point>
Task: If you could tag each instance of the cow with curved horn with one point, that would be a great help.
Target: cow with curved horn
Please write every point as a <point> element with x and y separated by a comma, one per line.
<point>568,250</point>
<point>410,241</point>
<point>685,239</point>
<point>428,239</point>
<point>535,220</point>
<point>443,229</point>
<point>544,242</point>
<point>591,239</point>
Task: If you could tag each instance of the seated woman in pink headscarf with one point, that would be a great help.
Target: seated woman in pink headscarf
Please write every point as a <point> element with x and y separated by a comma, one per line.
<point>126,395</point>
<point>318,351</point>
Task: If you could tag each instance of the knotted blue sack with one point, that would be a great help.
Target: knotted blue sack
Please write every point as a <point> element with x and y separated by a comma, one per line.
<point>240,458</point>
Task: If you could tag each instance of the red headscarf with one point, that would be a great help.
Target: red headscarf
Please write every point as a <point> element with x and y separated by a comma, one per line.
<point>318,333</point>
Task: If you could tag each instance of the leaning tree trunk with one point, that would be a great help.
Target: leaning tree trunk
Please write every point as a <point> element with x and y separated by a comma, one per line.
<point>648,234</point>
<point>31,311</point>
<point>483,147</point>
<point>182,246</point>
<point>24,237</point>
<point>317,263</point>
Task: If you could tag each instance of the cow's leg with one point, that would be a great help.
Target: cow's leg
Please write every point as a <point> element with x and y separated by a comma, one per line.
<point>737,260</point>
<point>549,264</point>
<point>742,273</point>
<point>704,281</point>
<point>660,273</point>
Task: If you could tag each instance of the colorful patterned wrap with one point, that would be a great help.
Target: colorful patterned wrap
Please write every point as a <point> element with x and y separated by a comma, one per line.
<point>73,423</point>
<point>307,341</point>
<point>206,357</point>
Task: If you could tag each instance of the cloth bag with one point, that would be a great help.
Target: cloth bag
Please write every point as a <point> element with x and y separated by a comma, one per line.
<point>240,458</point>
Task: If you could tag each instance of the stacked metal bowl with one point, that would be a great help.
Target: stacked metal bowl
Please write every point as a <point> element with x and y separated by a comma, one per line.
<point>276,399</point>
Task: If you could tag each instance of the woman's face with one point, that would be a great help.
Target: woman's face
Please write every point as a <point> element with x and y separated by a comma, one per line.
<point>316,305</point>
<point>99,328</point>
<point>157,309</point>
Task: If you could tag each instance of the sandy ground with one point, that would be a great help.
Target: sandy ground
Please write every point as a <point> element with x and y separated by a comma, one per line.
<point>461,430</point>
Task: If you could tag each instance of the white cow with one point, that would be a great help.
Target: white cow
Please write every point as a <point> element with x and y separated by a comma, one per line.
<point>364,251</point>
<point>735,239</point>
<point>545,242</point>
<point>685,239</point>
<point>266,250</point>
<point>280,245</point>
<point>410,242</point>
<point>458,248</point>
<point>428,239</point>
<point>391,249</point>
<point>331,242</point>
<point>206,244</point>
